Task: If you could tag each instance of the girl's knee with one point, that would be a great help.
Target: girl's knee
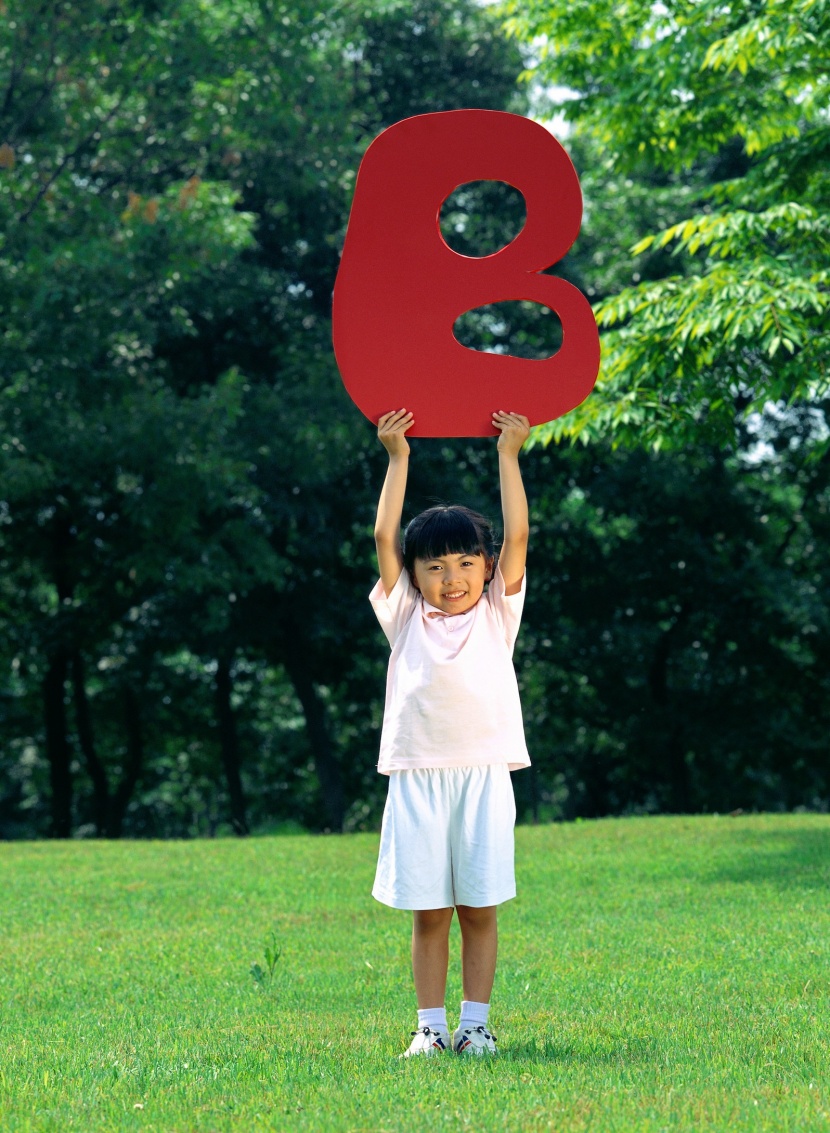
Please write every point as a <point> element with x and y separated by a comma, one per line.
<point>476,918</point>
<point>431,920</point>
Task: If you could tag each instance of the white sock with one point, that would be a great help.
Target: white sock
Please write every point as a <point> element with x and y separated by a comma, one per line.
<point>473,1014</point>
<point>433,1017</point>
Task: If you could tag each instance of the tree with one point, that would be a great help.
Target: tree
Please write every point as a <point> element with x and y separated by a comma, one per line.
<point>174,184</point>
<point>735,96</point>
<point>672,654</point>
<point>121,482</point>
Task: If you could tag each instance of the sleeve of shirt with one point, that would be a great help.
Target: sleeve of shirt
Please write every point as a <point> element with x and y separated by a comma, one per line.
<point>506,608</point>
<point>394,612</point>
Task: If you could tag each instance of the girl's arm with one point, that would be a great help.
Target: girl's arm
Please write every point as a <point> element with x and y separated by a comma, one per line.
<point>515,430</point>
<point>392,435</point>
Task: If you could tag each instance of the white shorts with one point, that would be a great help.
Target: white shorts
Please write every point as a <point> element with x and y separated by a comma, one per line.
<point>447,838</point>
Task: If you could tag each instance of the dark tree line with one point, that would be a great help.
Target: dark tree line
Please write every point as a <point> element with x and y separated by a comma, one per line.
<point>187,493</point>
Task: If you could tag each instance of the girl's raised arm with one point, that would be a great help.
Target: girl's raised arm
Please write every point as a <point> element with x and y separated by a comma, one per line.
<point>515,430</point>
<point>392,435</point>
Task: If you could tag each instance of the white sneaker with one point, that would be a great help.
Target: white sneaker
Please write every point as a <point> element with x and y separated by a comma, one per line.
<point>427,1041</point>
<point>474,1040</point>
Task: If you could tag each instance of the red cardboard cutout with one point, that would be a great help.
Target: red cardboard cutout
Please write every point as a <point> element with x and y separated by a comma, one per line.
<point>400,287</point>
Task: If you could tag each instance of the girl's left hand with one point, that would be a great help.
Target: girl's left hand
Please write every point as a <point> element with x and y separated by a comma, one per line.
<point>515,429</point>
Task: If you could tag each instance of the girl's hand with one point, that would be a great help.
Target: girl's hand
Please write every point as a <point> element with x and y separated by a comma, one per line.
<point>515,429</point>
<point>392,429</point>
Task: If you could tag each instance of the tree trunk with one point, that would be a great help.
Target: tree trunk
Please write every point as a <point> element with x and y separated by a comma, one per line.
<point>57,746</point>
<point>58,751</point>
<point>594,772</point>
<point>229,744</point>
<point>325,761</point>
<point>675,769</point>
<point>132,768</point>
<point>83,723</point>
<point>534,793</point>
<point>679,778</point>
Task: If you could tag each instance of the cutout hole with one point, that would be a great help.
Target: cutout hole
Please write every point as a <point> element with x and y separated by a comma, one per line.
<point>482,217</point>
<point>516,327</point>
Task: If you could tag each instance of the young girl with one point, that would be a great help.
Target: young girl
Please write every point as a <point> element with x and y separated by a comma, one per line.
<point>452,729</point>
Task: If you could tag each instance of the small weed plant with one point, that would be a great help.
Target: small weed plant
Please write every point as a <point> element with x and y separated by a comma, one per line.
<point>264,977</point>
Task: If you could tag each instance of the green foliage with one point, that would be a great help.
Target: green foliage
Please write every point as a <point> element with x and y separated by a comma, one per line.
<point>177,446</point>
<point>187,494</point>
<point>671,653</point>
<point>668,92</point>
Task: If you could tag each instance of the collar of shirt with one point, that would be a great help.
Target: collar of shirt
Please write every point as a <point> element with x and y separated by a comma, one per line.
<point>448,621</point>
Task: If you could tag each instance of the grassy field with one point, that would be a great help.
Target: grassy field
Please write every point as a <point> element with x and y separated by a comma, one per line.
<point>655,974</point>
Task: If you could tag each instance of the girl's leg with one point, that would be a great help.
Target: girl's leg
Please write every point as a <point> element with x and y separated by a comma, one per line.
<point>430,955</point>
<point>479,946</point>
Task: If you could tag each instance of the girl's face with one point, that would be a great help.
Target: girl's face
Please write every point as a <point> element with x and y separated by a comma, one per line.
<point>453,583</point>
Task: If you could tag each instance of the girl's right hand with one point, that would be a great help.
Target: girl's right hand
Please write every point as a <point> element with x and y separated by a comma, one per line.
<point>392,429</point>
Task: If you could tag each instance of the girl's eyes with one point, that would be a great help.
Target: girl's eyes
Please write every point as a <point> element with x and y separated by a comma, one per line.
<point>466,563</point>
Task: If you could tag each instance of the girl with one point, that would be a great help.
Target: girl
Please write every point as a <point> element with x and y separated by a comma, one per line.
<point>452,729</point>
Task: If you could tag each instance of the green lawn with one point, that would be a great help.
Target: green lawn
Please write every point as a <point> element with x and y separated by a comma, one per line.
<point>658,973</point>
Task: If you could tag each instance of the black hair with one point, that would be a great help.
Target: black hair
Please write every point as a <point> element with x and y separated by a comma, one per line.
<point>447,530</point>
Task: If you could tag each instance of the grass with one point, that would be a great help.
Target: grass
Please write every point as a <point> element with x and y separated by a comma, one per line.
<point>655,974</point>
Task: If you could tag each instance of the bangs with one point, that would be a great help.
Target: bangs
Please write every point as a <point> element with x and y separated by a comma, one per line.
<point>447,533</point>
<point>444,531</point>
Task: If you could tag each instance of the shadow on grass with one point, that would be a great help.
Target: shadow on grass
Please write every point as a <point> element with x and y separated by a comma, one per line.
<point>546,1051</point>
<point>786,858</point>
<point>584,1054</point>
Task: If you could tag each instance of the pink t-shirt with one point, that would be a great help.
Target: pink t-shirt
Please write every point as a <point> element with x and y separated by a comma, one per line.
<point>451,694</point>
